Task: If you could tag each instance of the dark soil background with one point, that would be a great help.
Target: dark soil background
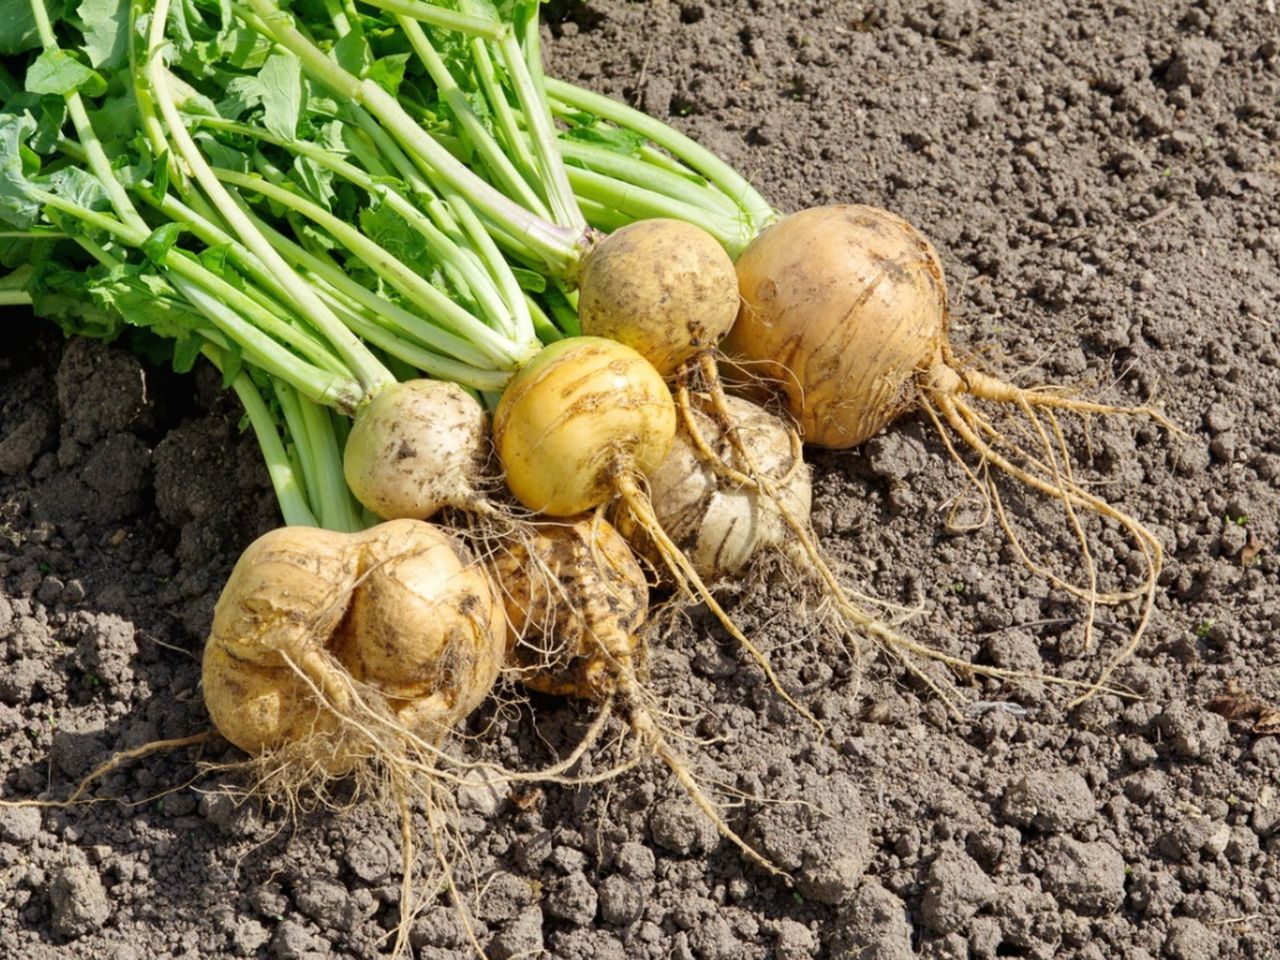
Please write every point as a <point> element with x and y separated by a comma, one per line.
<point>1101,180</point>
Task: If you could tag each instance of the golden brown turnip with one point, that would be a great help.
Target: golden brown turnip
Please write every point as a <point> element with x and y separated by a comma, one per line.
<point>845,309</point>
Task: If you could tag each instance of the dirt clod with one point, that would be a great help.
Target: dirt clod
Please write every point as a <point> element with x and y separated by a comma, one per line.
<point>621,901</point>
<point>79,901</point>
<point>1085,877</point>
<point>1051,802</point>
<point>955,890</point>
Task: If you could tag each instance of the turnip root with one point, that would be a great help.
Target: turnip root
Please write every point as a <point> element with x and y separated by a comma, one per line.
<point>335,655</point>
<point>423,625</point>
<point>580,422</point>
<point>417,448</point>
<point>576,600</point>
<point>665,288</point>
<point>705,501</point>
<point>845,308</point>
<point>329,649</point>
<point>579,427</point>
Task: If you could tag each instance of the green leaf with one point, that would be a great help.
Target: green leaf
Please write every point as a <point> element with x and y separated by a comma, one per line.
<point>281,80</point>
<point>18,25</point>
<point>143,299</point>
<point>16,205</point>
<point>242,94</point>
<point>18,278</point>
<point>115,121</point>
<point>56,71</point>
<point>214,259</point>
<point>389,230</point>
<point>159,184</point>
<point>388,72</point>
<point>185,351</point>
<point>316,181</point>
<point>53,114</point>
<point>65,296</point>
<point>610,138</point>
<point>220,155</point>
<point>241,48</point>
<point>79,186</point>
<point>529,280</point>
<point>232,364</point>
<point>162,239</point>
<point>352,53</point>
<point>106,31</point>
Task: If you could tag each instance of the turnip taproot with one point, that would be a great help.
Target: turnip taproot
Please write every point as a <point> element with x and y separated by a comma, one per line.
<point>731,497</point>
<point>576,602</point>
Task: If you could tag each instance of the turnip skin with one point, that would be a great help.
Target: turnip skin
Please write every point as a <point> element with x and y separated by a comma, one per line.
<point>425,624</point>
<point>286,596</point>
<point>257,707</point>
<point>719,522</point>
<point>843,306</point>
<point>575,598</point>
<point>582,414</point>
<point>417,448</point>
<point>665,288</point>
<point>395,621</point>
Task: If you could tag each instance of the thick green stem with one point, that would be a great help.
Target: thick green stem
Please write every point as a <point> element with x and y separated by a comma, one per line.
<point>329,488</point>
<point>268,298</point>
<point>320,385</point>
<point>467,267</point>
<point>428,13</point>
<point>391,316</point>
<point>538,117</point>
<point>677,144</point>
<point>417,290</point>
<point>508,127</point>
<point>227,307</point>
<point>290,494</point>
<point>638,203</point>
<point>472,130</point>
<point>99,162</point>
<point>643,174</point>
<point>366,368</point>
<point>421,360</point>
<point>560,248</point>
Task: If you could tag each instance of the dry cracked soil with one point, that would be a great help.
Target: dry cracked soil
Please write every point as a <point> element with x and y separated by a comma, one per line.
<point>1103,183</point>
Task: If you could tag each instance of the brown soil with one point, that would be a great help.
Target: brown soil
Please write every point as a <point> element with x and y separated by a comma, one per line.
<point>1102,183</point>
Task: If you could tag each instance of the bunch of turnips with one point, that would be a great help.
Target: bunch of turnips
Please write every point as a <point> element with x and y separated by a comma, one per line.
<point>524,363</point>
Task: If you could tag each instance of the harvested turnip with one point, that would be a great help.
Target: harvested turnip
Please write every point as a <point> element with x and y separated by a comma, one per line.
<point>417,448</point>
<point>665,288</point>
<point>330,649</point>
<point>845,309</point>
<point>710,508</point>
<point>576,600</point>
